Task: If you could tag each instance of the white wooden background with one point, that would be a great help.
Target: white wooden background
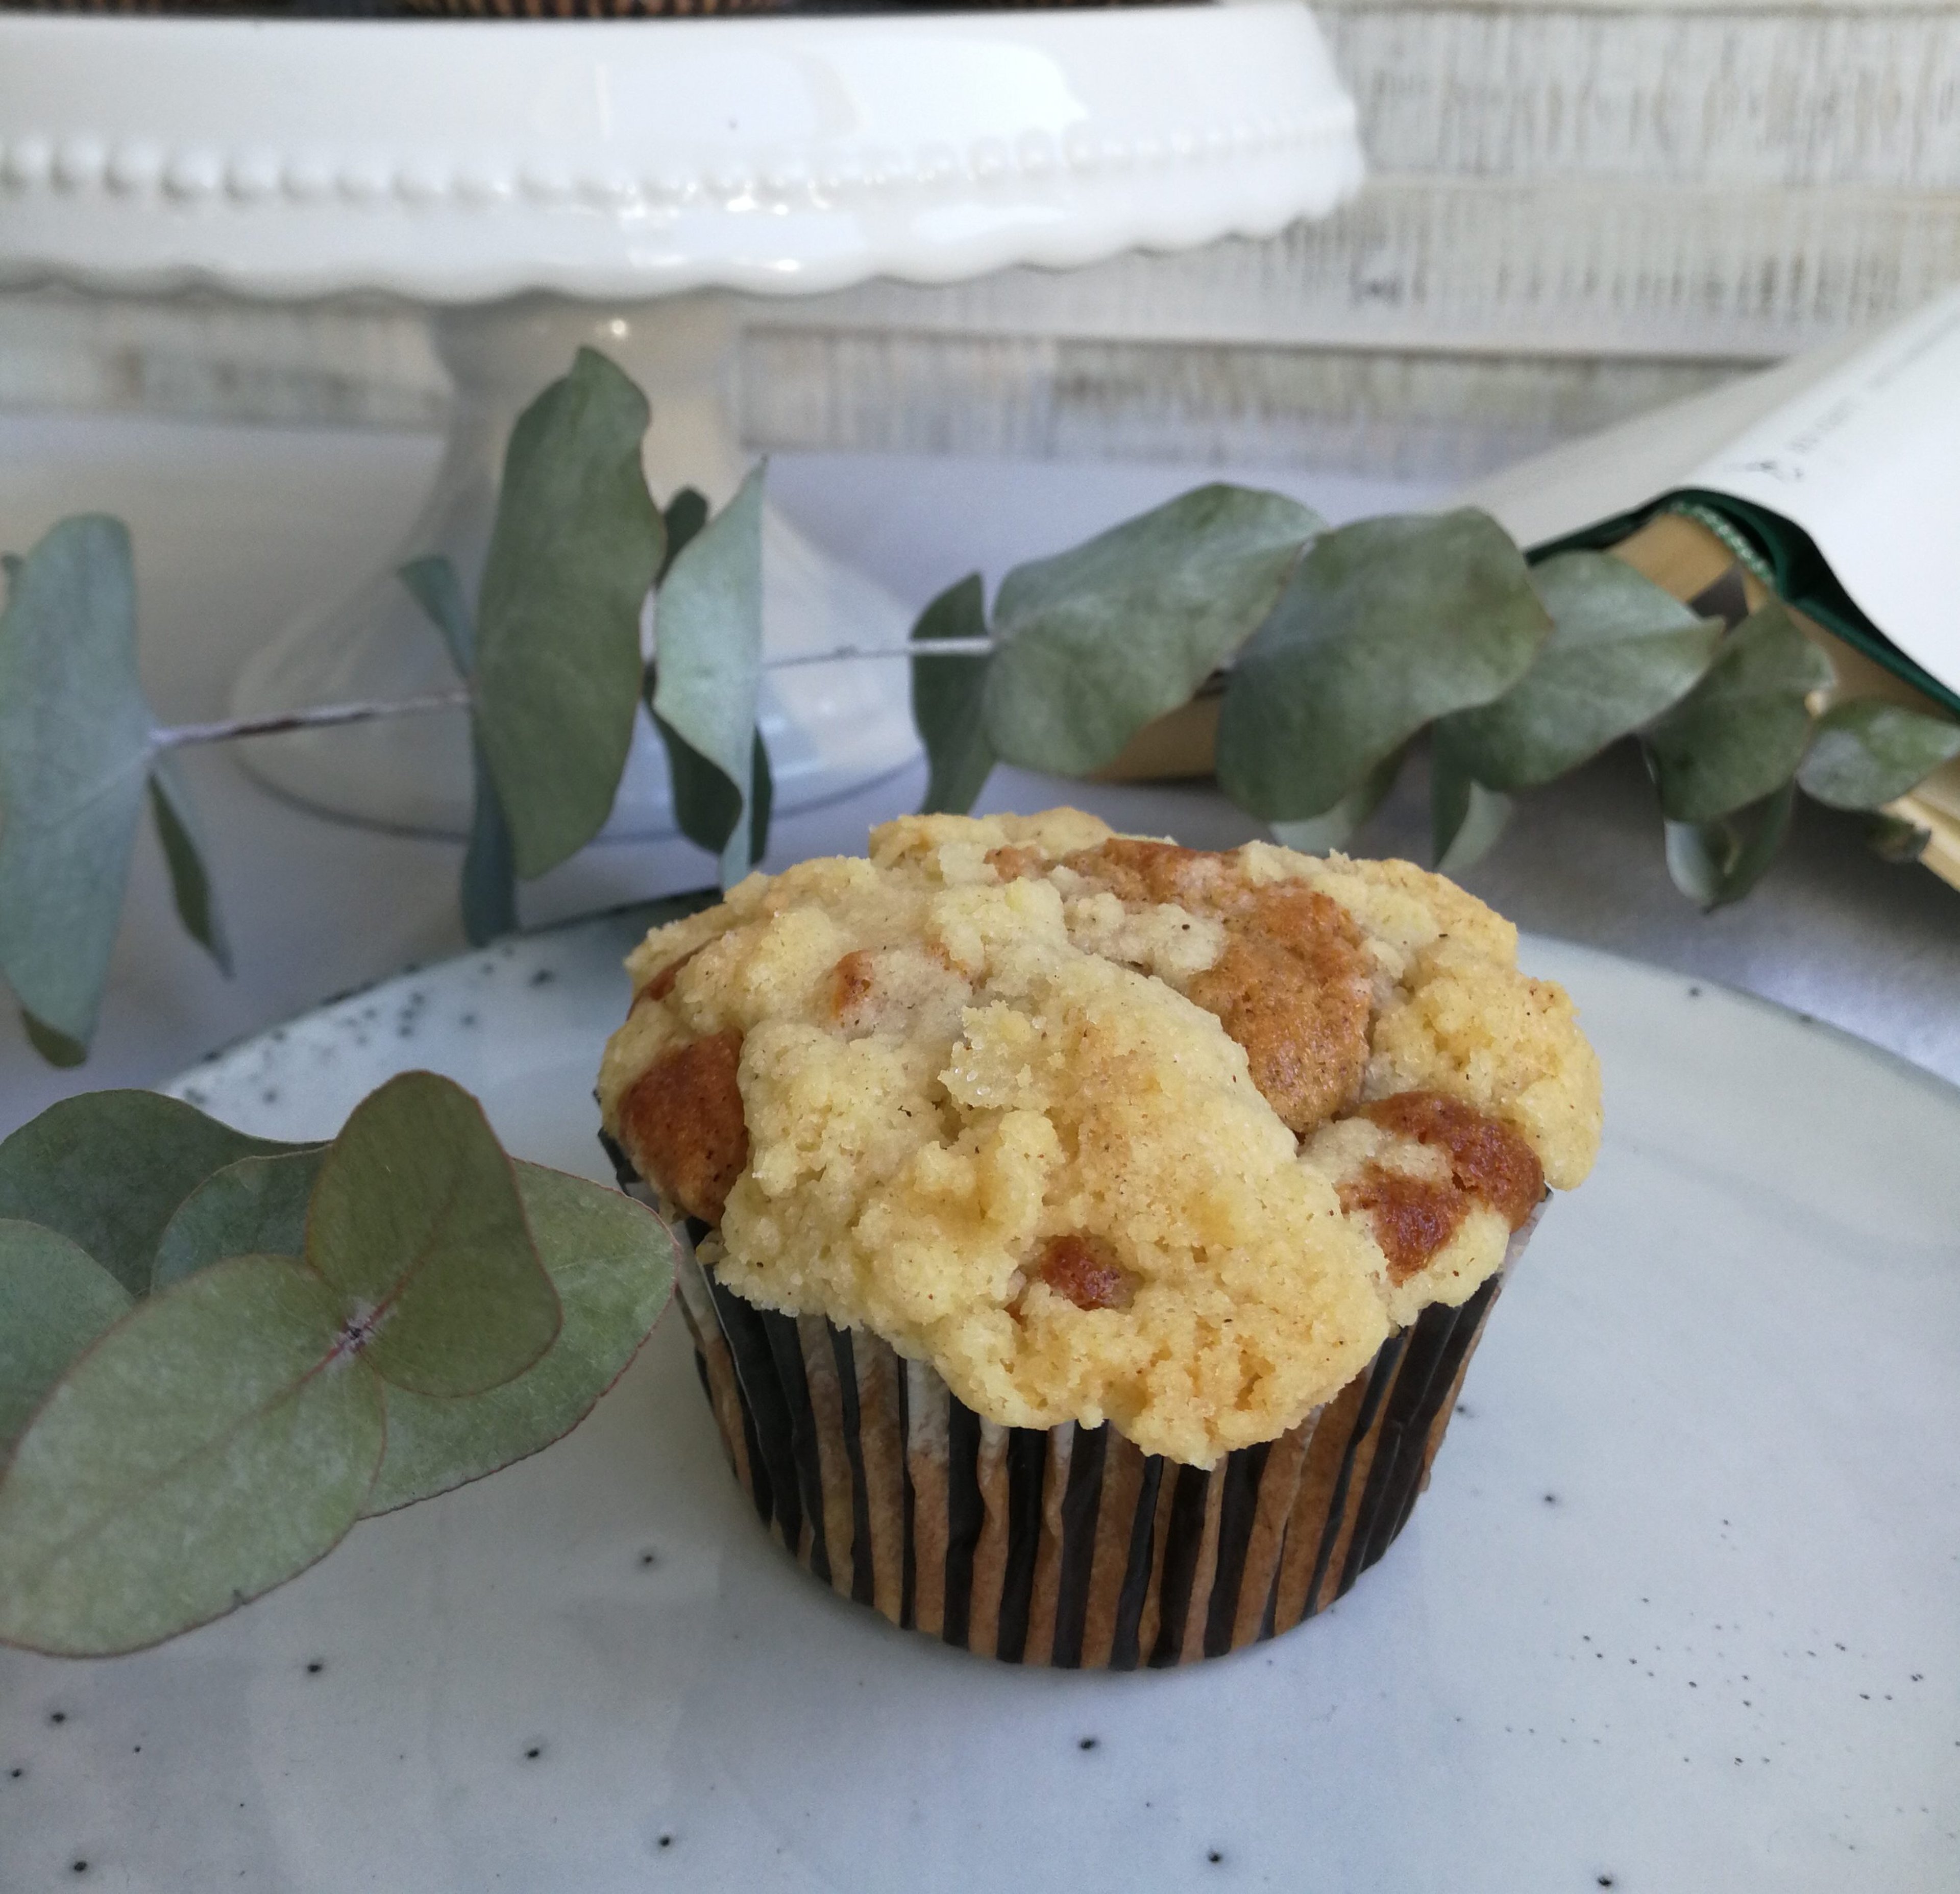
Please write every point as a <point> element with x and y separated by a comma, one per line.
<point>1578,208</point>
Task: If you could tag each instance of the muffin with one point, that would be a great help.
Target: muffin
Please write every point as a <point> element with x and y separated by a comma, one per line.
<point>1090,1234</point>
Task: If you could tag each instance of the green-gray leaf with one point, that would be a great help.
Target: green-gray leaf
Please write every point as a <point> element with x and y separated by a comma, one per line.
<point>1739,735</point>
<point>1321,835</point>
<point>685,515</point>
<point>152,1493</point>
<point>75,741</point>
<point>577,541</point>
<point>709,634</point>
<point>1866,753</point>
<point>1622,651</point>
<point>109,1168</point>
<point>1465,818</point>
<point>416,1221</point>
<point>612,1262</point>
<point>707,805</point>
<point>947,696</point>
<point>1386,624</point>
<point>182,836</point>
<point>761,800</point>
<point>1714,863</point>
<point>432,582</point>
<point>255,1207</point>
<point>56,1048</point>
<point>1097,641</point>
<point>55,1300</point>
<point>1892,838</point>
<point>489,866</point>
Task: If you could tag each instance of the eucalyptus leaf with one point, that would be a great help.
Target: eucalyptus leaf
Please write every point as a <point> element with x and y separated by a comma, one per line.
<point>1622,651</point>
<point>75,743</point>
<point>417,1222</point>
<point>55,1300</point>
<point>212,1444</point>
<point>56,1048</point>
<point>1097,641</point>
<point>708,671</point>
<point>108,1169</point>
<point>1715,863</point>
<point>489,862</point>
<point>761,800</point>
<point>1892,838</point>
<point>577,541</point>
<point>1465,818</point>
<point>1321,835</point>
<point>1386,624</point>
<point>182,836</point>
<point>706,803</point>
<point>1739,735</point>
<point>255,1207</point>
<point>685,515</point>
<point>1866,753</point>
<point>947,697</point>
<point>432,582</point>
<point>611,1261</point>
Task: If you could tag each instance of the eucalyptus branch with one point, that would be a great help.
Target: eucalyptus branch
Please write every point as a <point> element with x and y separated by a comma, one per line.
<point>320,717</point>
<point>228,1407</point>
<point>838,655</point>
<point>1326,651</point>
<point>330,716</point>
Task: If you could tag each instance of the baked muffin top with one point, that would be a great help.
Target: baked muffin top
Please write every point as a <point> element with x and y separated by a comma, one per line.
<point>1103,1128</point>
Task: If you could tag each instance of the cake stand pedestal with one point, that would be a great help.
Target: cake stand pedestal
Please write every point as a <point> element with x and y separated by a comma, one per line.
<point>619,183</point>
<point>830,729</point>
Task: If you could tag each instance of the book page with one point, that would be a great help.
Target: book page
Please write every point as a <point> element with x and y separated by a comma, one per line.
<point>1635,462</point>
<point>1866,460</point>
<point>1858,444</point>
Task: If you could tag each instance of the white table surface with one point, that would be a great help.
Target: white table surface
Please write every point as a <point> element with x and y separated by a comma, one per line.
<point>236,527</point>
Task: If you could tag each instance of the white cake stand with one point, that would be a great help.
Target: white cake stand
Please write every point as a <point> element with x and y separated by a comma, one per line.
<point>541,184</point>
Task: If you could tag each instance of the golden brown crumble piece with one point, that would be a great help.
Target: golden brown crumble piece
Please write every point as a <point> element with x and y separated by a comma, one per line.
<point>681,1124</point>
<point>1013,864</point>
<point>1488,1158</point>
<point>1084,1269</point>
<point>1414,1216</point>
<point>1135,871</point>
<point>1293,986</point>
<point>850,982</point>
<point>662,984</point>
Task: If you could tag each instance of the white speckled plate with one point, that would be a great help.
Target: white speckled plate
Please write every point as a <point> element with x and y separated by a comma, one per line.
<point>1680,1612</point>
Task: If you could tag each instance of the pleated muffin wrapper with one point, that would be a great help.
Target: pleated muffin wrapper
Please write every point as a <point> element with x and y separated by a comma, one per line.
<point>1066,1546</point>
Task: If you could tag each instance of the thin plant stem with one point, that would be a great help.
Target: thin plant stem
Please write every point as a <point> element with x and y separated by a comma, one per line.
<point>321,716</point>
<point>326,716</point>
<point>925,648</point>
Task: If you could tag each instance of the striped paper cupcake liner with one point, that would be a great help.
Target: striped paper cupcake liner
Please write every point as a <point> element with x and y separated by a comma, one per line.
<point>1067,1546</point>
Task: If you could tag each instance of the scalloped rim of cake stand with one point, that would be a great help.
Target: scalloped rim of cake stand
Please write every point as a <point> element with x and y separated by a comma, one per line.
<point>459,161</point>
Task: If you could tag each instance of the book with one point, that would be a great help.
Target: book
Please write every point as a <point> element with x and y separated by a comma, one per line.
<point>1832,481</point>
